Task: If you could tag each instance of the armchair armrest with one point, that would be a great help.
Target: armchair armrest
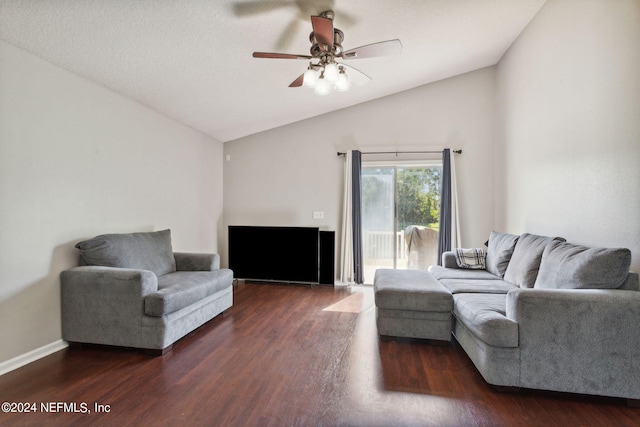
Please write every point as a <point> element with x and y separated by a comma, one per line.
<point>196,262</point>
<point>581,341</point>
<point>103,305</point>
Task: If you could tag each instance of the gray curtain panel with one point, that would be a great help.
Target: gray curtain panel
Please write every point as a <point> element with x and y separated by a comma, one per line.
<point>356,170</point>
<point>444,242</point>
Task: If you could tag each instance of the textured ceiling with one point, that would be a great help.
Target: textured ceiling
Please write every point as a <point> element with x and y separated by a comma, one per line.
<point>191,60</point>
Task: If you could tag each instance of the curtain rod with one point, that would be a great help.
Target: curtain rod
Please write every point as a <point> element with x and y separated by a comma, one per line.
<point>403,152</point>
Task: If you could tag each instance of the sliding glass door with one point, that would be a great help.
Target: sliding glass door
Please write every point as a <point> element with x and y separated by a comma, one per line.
<point>400,214</point>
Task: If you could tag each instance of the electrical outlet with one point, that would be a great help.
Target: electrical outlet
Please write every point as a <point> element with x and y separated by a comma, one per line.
<point>318,215</point>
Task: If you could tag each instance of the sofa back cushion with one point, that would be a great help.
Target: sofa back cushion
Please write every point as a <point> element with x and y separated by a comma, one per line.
<point>522,270</point>
<point>145,251</point>
<point>568,266</point>
<point>500,250</point>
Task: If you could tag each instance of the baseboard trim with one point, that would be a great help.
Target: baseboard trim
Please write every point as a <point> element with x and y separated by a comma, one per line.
<point>32,356</point>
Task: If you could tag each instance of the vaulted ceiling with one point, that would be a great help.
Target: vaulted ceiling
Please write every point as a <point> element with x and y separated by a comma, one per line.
<point>192,60</point>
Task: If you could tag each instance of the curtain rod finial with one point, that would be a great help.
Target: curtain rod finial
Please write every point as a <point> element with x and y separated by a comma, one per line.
<point>457,151</point>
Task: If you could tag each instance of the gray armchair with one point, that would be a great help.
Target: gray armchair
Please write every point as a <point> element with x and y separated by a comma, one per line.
<point>131,290</point>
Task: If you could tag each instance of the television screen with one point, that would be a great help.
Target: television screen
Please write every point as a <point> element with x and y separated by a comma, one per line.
<point>286,254</point>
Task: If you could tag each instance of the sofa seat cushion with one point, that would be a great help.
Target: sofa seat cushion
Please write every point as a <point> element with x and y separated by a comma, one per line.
<point>568,266</point>
<point>440,272</point>
<point>183,288</point>
<point>410,290</point>
<point>464,286</point>
<point>484,315</point>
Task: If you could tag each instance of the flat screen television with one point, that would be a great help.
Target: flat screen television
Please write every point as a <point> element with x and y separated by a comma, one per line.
<point>284,254</point>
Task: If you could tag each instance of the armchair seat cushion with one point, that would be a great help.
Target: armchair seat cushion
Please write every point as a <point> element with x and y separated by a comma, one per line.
<point>183,288</point>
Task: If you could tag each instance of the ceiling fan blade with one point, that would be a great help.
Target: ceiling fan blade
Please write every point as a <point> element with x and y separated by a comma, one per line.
<point>356,76</point>
<point>288,35</point>
<point>346,19</point>
<point>297,82</point>
<point>272,55</point>
<point>323,32</point>
<point>389,47</point>
<point>256,7</point>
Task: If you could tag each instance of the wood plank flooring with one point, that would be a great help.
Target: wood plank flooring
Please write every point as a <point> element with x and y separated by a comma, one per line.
<point>287,355</point>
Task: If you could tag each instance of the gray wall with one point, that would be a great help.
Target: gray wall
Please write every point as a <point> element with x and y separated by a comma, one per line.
<point>568,125</point>
<point>77,160</point>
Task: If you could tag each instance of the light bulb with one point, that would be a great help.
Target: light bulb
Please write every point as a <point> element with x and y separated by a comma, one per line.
<point>331,72</point>
<point>342,84</point>
<point>322,87</point>
<point>310,77</point>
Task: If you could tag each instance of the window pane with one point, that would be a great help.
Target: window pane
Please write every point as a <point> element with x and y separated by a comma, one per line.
<point>377,219</point>
<point>418,214</point>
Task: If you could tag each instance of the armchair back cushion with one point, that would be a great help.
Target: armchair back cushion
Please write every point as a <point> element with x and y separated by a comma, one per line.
<point>144,251</point>
<point>568,266</point>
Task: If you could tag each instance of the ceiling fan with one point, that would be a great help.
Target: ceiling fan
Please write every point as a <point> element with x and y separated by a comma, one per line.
<point>324,72</point>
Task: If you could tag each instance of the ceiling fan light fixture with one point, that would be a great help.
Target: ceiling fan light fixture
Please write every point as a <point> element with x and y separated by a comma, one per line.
<point>322,86</point>
<point>331,72</point>
<point>310,77</point>
<point>342,83</point>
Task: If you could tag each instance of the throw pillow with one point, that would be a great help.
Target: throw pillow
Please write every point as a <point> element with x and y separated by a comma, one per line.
<point>500,250</point>
<point>523,268</point>
<point>473,259</point>
<point>568,266</point>
<point>145,251</point>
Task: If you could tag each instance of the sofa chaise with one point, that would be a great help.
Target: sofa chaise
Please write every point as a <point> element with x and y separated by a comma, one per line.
<point>542,314</point>
<point>132,290</point>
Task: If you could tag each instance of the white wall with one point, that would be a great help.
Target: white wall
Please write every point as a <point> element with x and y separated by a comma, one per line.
<point>568,125</point>
<point>77,160</point>
<point>280,177</point>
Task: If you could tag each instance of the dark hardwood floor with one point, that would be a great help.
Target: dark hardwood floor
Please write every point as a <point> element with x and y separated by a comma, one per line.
<point>287,355</point>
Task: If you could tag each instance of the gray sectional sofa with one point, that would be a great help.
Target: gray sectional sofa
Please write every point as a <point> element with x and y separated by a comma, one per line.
<point>132,290</point>
<point>542,314</point>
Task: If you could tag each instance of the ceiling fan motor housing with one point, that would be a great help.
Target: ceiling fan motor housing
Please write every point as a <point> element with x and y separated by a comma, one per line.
<point>335,50</point>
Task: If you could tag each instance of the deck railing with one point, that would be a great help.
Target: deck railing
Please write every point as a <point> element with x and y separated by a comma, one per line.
<point>378,245</point>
